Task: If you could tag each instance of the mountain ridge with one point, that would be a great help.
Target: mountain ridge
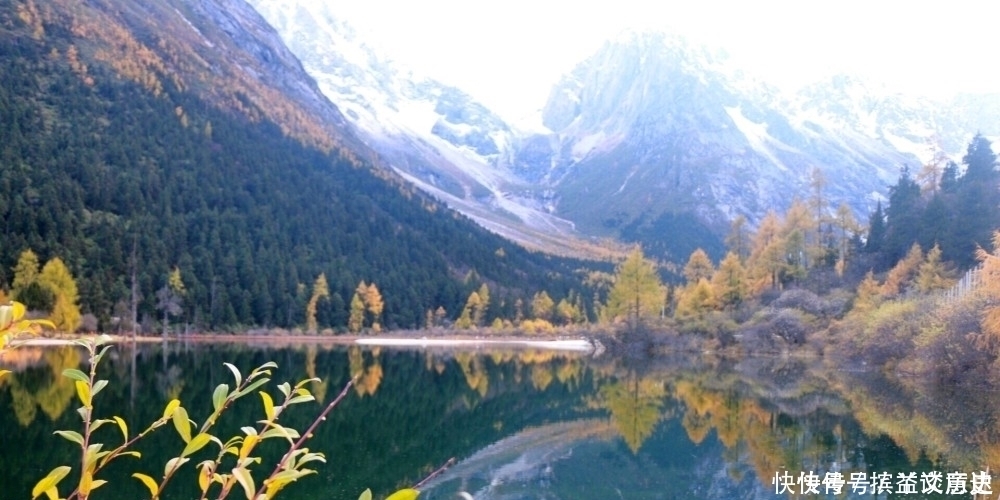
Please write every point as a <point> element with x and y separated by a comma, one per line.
<point>651,127</point>
<point>131,167</point>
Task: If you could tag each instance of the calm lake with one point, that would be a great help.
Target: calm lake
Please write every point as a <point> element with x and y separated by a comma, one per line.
<point>524,424</point>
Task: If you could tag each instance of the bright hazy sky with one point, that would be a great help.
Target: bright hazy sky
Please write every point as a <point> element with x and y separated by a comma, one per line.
<point>509,53</point>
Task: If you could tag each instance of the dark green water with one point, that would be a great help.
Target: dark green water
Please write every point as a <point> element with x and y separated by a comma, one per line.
<point>520,424</point>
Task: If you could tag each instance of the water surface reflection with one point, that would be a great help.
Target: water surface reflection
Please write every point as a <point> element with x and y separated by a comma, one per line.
<point>521,423</point>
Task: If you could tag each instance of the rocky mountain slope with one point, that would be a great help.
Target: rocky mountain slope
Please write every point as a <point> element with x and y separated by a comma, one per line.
<point>651,139</point>
<point>435,135</point>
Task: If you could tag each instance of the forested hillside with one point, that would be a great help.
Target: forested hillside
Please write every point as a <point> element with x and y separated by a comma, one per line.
<point>111,177</point>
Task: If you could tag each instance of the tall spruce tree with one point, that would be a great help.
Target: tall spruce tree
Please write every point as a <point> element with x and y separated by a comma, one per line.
<point>977,202</point>
<point>902,217</point>
<point>876,230</point>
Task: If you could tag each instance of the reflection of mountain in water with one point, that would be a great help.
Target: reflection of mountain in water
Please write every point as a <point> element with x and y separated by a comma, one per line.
<point>523,461</point>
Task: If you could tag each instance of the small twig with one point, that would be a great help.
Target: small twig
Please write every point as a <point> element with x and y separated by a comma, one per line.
<point>305,435</point>
<point>449,463</point>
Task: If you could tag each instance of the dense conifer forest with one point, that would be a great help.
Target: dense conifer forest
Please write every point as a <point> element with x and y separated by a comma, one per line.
<point>116,181</point>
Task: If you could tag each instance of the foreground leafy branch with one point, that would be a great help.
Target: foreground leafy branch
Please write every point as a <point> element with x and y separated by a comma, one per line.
<point>13,324</point>
<point>232,464</point>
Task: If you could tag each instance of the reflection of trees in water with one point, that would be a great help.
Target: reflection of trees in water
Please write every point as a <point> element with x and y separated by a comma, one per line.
<point>635,405</point>
<point>473,367</point>
<point>319,386</point>
<point>44,388</point>
<point>929,422</point>
<point>368,374</point>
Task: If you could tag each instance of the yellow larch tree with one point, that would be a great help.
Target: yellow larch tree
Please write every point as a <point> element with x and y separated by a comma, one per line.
<point>56,277</point>
<point>320,290</point>
<point>903,273</point>
<point>542,306</point>
<point>729,283</point>
<point>695,300</point>
<point>699,266</point>
<point>869,295</point>
<point>933,274</point>
<point>990,287</point>
<point>373,304</point>
<point>767,257</point>
<point>638,292</point>
<point>356,316</point>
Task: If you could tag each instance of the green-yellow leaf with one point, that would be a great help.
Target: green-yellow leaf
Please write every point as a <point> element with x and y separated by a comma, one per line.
<point>154,489</point>
<point>75,374</point>
<point>97,424</point>
<point>86,483</point>
<point>83,391</point>
<point>404,494</point>
<point>236,373</point>
<point>173,464</point>
<point>268,405</point>
<point>18,309</point>
<point>182,423</point>
<point>50,481</point>
<point>4,373</point>
<point>205,475</point>
<point>71,436</point>
<point>366,495</point>
<point>279,431</point>
<point>252,387</point>
<point>219,396</point>
<point>100,384</point>
<point>171,407</point>
<point>246,481</point>
<point>123,426</point>
<point>197,443</point>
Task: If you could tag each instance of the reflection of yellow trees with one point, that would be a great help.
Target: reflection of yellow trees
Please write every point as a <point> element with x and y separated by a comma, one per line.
<point>541,376</point>
<point>735,420</point>
<point>635,407</point>
<point>25,407</point>
<point>913,432</point>
<point>55,396</point>
<point>368,377</point>
<point>474,371</point>
<point>541,368</point>
<point>318,386</point>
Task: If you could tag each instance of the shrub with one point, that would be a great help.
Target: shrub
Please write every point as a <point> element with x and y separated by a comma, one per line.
<point>800,299</point>
<point>231,467</point>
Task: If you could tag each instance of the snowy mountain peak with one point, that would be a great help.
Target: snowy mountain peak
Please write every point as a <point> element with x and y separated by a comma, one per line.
<point>650,137</point>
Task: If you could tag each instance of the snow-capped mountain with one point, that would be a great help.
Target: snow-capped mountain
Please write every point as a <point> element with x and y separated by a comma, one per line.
<point>650,125</point>
<point>651,139</point>
<point>436,136</point>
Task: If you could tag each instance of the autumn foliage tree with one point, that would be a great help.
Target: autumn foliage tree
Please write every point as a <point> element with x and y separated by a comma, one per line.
<point>53,288</point>
<point>26,288</point>
<point>990,287</point>
<point>320,290</point>
<point>637,293</point>
<point>699,266</point>
<point>729,282</point>
<point>373,304</point>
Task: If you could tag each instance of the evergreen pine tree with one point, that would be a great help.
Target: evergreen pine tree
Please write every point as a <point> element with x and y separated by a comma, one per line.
<point>876,230</point>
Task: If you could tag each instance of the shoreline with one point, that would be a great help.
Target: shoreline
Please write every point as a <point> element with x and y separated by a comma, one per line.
<point>458,341</point>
